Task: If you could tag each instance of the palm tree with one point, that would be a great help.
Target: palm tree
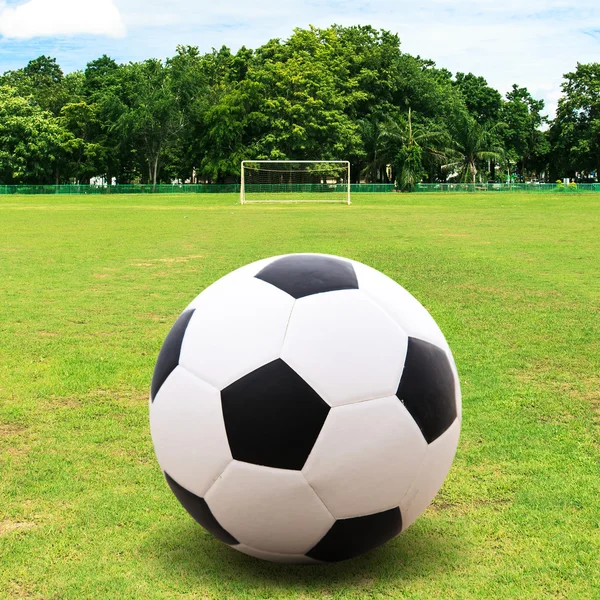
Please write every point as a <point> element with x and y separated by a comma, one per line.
<point>372,131</point>
<point>412,143</point>
<point>472,144</point>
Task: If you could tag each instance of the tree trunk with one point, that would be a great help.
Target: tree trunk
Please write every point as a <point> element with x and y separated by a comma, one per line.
<point>155,169</point>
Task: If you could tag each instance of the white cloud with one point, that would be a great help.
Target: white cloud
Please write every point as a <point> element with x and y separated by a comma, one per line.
<point>528,42</point>
<point>51,18</point>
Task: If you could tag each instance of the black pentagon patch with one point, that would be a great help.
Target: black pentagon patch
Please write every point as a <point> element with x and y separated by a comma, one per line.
<point>273,417</point>
<point>198,508</point>
<point>427,388</point>
<point>350,537</point>
<point>168,357</point>
<point>304,275</point>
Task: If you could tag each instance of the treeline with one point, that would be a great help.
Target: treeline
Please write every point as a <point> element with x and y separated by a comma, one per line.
<point>338,93</point>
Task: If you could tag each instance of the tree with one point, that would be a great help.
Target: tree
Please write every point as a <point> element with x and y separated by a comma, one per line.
<point>32,141</point>
<point>103,92</point>
<point>42,80</point>
<point>411,144</point>
<point>233,129</point>
<point>472,144</point>
<point>330,93</point>
<point>482,101</point>
<point>85,157</point>
<point>302,112</point>
<point>575,133</point>
<point>193,76</point>
<point>373,135</point>
<point>150,113</point>
<point>524,142</point>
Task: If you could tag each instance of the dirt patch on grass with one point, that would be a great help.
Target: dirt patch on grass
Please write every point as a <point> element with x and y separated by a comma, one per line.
<point>468,506</point>
<point>496,503</point>
<point>9,429</point>
<point>136,398</point>
<point>7,527</point>
<point>132,397</point>
<point>168,261</point>
<point>592,395</point>
<point>64,402</point>
<point>545,294</point>
<point>181,259</point>
<point>17,453</point>
<point>154,317</point>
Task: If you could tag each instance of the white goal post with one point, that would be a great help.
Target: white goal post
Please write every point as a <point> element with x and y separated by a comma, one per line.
<point>295,181</point>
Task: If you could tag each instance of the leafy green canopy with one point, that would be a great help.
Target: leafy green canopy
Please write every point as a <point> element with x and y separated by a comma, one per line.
<point>337,93</point>
<point>575,134</point>
<point>32,141</point>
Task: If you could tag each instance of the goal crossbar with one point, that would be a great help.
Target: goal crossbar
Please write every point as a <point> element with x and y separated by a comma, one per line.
<point>296,183</point>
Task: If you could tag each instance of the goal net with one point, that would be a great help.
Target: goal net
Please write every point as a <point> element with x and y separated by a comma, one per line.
<point>295,181</point>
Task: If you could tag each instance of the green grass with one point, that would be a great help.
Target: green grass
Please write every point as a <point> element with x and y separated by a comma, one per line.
<point>89,287</point>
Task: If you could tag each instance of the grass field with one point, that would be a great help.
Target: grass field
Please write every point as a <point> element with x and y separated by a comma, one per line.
<point>89,287</point>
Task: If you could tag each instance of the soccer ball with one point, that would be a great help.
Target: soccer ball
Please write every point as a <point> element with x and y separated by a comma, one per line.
<point>305,409</point>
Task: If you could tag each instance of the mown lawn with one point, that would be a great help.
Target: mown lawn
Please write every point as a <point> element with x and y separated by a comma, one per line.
<point>89,287</point>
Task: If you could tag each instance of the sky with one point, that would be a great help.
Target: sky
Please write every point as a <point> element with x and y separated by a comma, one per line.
<point>528,42</point>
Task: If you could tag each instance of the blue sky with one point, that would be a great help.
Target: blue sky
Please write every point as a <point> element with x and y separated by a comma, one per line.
<point>529,42</point>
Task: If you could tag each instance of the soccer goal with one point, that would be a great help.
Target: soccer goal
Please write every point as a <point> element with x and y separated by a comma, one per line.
<point>295,181</point>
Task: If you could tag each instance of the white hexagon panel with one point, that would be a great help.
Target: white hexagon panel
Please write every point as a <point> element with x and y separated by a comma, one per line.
<point>345,347</point>
<point>305,409</point>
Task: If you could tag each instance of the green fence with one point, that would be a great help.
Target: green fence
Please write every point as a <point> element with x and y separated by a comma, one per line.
<point>213,188</point>
<point>356,188</point>
<point>372,188</point>
<point>526,188</point>
<point>203,188</point>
